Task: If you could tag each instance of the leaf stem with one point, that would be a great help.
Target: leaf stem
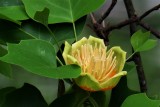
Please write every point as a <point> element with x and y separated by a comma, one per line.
<point>54,38</point>
<point>75,33</point>
<point>59,61</point>
<point>130,56</point>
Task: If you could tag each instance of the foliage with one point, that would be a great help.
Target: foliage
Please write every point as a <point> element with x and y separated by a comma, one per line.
<point>141,42</point>
<point>32,37</point>
<point>140,100</point>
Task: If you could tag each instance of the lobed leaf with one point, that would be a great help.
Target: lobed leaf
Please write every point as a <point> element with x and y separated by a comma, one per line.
<point>38,56</point>
<point>12,33</point>
<point>62,10</point>
<point>140,100</point>
<point>42,16</point>
<point>2,16</point>
<point>62,32</point>
<point>141,42</point>
<point>5,67</point>
<point>14,12</point>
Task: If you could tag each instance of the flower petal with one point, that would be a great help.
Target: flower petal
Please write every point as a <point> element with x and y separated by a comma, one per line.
<point>92,40</point>
<point>87,82</point>
<point>67,51</point>
<point>78,44</point>
<point>71,60</point>
<point>112,82</point>
<point>120,57</point>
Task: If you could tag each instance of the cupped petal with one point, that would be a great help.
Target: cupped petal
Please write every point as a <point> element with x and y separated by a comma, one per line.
<point>67,51</point>
<point>92,40</point>
<point>71,60</point>
<point>120,58</point>
<point>67,54</point>
<point>78,44</point>
<point>112,82</point>
<point>88,83</point>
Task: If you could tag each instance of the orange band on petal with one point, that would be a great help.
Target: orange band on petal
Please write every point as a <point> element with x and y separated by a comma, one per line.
<point>108,88</point>
<point>87,88</point>
<point>112,74</point>
<point>101,68</point>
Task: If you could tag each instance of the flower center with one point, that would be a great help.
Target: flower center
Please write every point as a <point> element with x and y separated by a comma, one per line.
<point>95,61</point>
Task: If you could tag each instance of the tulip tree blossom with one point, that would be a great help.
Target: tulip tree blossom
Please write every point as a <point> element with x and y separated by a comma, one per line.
<point>101,69</point>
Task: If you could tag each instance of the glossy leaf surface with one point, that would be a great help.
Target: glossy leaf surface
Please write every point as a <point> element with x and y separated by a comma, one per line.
<point>140,100</point>
<point>141,42</point>
<point>62,10</point>
<point>39,57</point>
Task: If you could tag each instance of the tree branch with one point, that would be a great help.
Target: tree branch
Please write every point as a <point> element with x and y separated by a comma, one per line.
<point>103,32</point>
<point>107,12</point>
<point>149,11</point>
<point>134,19</point>
<point>121,24</point>
<point>147,27</point>
<point>136,57</point>
<point>99,30</point>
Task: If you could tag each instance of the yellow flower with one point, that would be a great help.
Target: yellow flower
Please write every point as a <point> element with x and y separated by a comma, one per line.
<point>101,69</point>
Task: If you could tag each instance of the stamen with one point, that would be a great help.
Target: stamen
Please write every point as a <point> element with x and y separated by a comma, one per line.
<point>110,70</point>
<point>103,54</point>
<point>113,61</point>
<point>94,61</point>
<point>90,67</point>
<point>81,51</point>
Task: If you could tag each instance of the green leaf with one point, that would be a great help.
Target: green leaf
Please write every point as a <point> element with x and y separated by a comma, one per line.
<point>120,93</point>
<point>4,3</point>
<point>39,57</point>
<point>100,98</point>
<point>10,7</point>
<point>141,42</point>
<point>62,10</point>
<point>9,19</point>
<point>2,51</point>
<point>14,12</point>
<point>93,102</point>
<point>5,67</point>
<point>3,93</point>
<point>149,44</point>
<point>74,98</point>
<point>37,52</point>
<point>42,16</point>
<point>12,33</point>
<point>128,67</point>
<point>140,100</point>
<point>27,96</point>
<point>62,31</point>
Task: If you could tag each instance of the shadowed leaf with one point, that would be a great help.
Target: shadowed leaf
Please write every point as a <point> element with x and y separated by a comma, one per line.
<point>27,96</point>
